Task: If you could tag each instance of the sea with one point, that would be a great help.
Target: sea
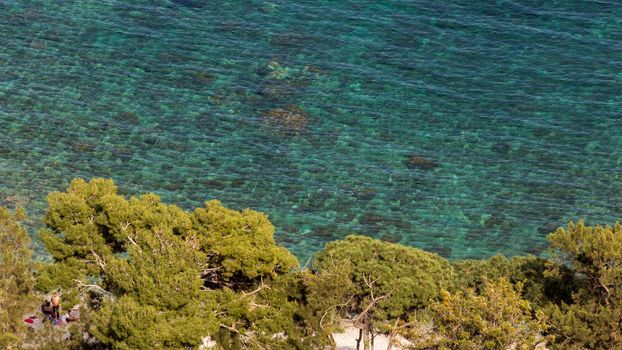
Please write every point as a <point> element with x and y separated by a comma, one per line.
<point>466,128</point>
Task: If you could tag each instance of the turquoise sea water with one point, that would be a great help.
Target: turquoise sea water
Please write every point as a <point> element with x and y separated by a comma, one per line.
<point>514,109</point>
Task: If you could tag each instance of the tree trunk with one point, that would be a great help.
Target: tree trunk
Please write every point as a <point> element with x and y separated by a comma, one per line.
<point>358,341</point>
<point>331,339</point>
<point>366,337</point>
<point>373,336</point>
<point>390,345</point>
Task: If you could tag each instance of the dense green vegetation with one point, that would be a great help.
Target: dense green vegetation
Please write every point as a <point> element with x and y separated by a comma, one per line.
<point>16,277</point>
<point>149,275</point>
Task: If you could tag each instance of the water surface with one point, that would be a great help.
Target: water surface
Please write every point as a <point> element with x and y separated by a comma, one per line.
<point>466,128</point>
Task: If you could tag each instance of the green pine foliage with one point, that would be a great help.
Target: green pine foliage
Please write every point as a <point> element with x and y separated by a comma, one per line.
<point>409,277</point>
<point>240,245</point>
<point>594,318</point>
<point>495,319</point>
<point>150,275</point>
<point>279,315</point>
<point>16,279</point>
<point>538,287</point>
<point>330,294</point>
<point>157,276</point>
<point>387,280</point>
<point>161,304</point>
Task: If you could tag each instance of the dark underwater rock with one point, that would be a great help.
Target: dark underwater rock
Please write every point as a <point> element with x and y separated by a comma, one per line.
<point>278,90</point>
<point>151,140</point>
<point>320,197</point>
<point>213,184</point>
<point>174,146</point>
<point>81,147</point>
<point>372,219</point>
<point>216,100</point>
<point>440,250</point>
<point>291,189</point>
<point>493,220</point>
<point>195,4</point>
<point>416,161</point>
<point>475,234</point>
<point>123,152</point>
<point>317,169</point>
<point>326,232</point>
<point>173,186</point>
<point>315,70</point>
<point>204,77</point>
<point>237,183</point>
<point>534,250</point>
<point>127,118</point>
<point>403,225</point>
<point>291,117</point>
<point>391,237</point>
<point>166,167</point>
<point>37,45</point>
<point>291,40</point>
<point>365,194</point>
<point>14,201</point>
<point>547,228</point>
<point>501,147</point>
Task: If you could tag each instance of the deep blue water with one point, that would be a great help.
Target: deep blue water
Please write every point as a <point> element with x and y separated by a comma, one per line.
<point>311,111</point>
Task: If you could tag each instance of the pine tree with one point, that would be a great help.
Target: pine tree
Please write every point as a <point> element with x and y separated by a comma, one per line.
<point>593,319</point>
<point>388,281</point>
<point>157,276</point>
<point>16,278</point>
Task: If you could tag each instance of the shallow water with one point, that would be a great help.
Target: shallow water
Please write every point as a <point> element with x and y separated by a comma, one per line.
<point>513,107</point>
